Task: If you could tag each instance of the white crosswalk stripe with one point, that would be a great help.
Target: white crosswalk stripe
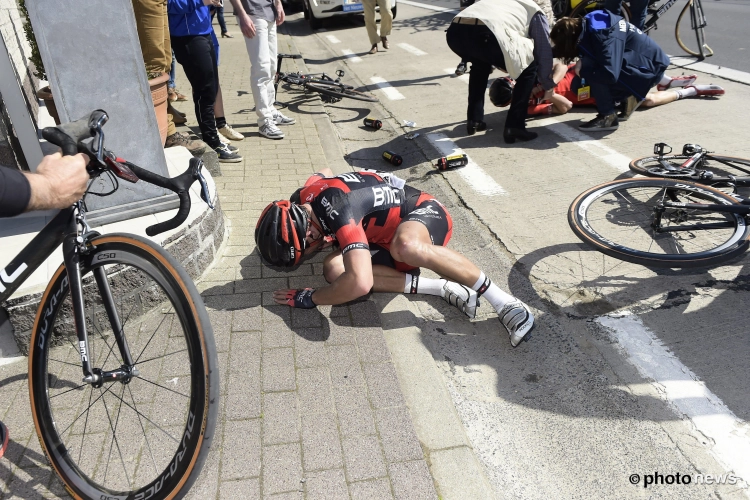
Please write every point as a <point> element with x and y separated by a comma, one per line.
<point>351,56</point>
<point>412,49</point>
<point>388,90</point>
<point>474,175</point>
<point>333,39</point>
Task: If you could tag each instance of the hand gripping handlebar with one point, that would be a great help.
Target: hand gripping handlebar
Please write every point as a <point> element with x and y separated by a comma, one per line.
<point>74,137</point>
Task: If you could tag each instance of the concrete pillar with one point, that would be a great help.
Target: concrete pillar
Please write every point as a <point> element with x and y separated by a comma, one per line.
<point>93,59</point>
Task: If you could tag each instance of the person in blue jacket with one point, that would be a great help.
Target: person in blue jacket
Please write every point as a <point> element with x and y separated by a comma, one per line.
<point>190,32</point>
<point>616,60</point>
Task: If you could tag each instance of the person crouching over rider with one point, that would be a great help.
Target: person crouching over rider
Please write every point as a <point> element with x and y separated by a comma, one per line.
<point>386,231</point>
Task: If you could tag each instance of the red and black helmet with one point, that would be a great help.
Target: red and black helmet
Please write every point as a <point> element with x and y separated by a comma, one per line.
<point>501,91</point>
<point>280,233</point>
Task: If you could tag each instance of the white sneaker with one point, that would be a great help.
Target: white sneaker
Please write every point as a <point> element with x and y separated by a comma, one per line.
<point>270,130</point>
<point>280,119</point>
<point>230,133</point>
<point>517,319</point>
<point>463,298</point>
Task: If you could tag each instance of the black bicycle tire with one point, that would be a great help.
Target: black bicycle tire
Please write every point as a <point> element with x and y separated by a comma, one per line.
<point>637,165</point>
<point>339,91</point>
<point>580,9</point>
<point>192,450</point>
<point>700,36</point>
<point>577,220</point>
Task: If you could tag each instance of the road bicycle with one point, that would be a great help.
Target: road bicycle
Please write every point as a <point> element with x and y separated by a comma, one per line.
<point>683,220</point>
<point>331,89</point>
<point>655,11</point>
<point>123,370</point>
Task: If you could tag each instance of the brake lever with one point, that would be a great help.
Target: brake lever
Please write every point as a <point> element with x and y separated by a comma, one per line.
<point>206,193</point>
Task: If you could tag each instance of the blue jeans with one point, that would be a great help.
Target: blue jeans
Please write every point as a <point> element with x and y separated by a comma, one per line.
<point>606,95</point>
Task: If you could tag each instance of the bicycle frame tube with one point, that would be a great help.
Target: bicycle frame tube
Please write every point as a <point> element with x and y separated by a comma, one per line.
<point>36,252</point>
<point>732,209</point>
<point>651,22</point>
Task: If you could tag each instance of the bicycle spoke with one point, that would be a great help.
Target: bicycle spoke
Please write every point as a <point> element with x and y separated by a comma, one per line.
<point>115,441</point>
<point>163,387</point>
<point>143,429</point>
<point>160,357</point>
<point>150,339</point>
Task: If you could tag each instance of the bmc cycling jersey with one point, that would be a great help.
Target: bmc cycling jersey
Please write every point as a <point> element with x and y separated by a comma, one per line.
<point>568,88</point>
<point>364,208</point>
<point>15,192</point>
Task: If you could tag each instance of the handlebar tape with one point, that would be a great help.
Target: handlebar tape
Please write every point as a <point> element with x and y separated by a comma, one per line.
<point>68,135</point>
<point>182,215</point>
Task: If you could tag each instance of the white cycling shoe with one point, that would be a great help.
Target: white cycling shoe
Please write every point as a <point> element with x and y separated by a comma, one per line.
<point>517,319</point>
<point>463,298</point>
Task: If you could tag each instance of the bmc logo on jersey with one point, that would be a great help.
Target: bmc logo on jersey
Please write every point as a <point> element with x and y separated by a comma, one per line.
<point>385,195</point>
<point>349,178</point>
<point>329,208</point>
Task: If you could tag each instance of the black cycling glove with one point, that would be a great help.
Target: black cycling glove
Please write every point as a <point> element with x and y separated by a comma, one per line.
<point>300,298</point>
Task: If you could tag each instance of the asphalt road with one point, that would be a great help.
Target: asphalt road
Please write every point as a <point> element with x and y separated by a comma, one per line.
<point>630,371</point>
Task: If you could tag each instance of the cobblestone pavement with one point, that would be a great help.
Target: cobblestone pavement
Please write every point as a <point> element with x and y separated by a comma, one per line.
<point>311,406</point>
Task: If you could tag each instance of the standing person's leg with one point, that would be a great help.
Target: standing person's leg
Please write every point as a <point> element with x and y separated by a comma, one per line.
<point>638,10</point>
<point>370,25</point>
<point>478,77</point>
<point>261,77</point>
<point>197,56</point>
<point>222,23</point>
<point>515,123</point>
<point>278,117</point>
<point>386,21</point>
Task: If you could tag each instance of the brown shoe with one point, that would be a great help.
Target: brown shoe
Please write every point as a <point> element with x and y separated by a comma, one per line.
<point>195,146</point>
<point>174,95</point>
<point>226,35</point>
<point>385,42</point>
<point>374,49</point>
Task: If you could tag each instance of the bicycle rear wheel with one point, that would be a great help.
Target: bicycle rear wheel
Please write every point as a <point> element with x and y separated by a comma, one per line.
<point>340,91</point>
<point>617,219</point>
<point>720,165</point>
<point>697,23</point>
<point>147,437</point>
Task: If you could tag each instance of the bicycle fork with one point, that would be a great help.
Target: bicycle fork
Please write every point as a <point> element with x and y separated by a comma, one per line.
<point>74,244</point>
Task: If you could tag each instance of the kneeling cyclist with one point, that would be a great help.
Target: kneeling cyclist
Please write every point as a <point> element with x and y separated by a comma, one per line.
<point>386,232</point>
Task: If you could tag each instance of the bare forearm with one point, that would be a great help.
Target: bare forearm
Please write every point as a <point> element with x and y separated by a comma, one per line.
<point>346,288</point>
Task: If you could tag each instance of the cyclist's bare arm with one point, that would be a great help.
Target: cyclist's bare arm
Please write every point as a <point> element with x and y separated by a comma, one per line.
<point>354,282</point>
<point>59,181</point>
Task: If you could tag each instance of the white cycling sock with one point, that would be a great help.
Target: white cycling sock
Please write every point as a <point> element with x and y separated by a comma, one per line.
<point>686,92</point>
<point>665,80</point>
<point>418,284</point>
<point>491,292</point>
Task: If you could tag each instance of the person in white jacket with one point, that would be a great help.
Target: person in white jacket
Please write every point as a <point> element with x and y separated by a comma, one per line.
<point>512,35</point>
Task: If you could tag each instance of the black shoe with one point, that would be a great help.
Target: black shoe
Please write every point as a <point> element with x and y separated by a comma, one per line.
<point>461,68</point>
<point>473,127</point>
<point>627,107</point>
<point>511,134</point>
<point>601,123</point>
<point>227,156</point>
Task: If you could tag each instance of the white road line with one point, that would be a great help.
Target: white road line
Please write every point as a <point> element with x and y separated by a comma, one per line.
<point>474,175</point>
<point>584,141</point>
<point>412,49</point>
<point>333,39</point>
<point>452,71</point>
<point>351,56</point>
<point>428,7</point>
<point>390,92</point>
<point>687,394</point>
<point>690,63</point>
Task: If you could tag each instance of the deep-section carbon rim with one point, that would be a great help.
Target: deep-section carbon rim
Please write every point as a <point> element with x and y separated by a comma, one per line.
<point>616,218</point>
<point>145,438</point>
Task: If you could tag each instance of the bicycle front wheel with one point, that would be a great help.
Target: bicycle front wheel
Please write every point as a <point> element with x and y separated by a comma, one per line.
<point>697,21</point>
<point>721,166</point>
<point>619,219</point>
<point>146,436</point>
<point>340,91</point>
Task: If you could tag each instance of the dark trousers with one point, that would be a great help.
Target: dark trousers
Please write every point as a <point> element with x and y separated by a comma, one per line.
<point>606,95</point>
<point>478,45</point>
<point>220,17</point>
<point>197,56</point>
<point>637,10</point>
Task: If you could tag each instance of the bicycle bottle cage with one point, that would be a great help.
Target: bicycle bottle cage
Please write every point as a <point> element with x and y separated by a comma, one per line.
<point>659,148</point>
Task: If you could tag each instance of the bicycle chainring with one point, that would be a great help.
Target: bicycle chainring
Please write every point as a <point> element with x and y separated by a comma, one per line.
<point>330,100</point>
<point>677,173</point>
